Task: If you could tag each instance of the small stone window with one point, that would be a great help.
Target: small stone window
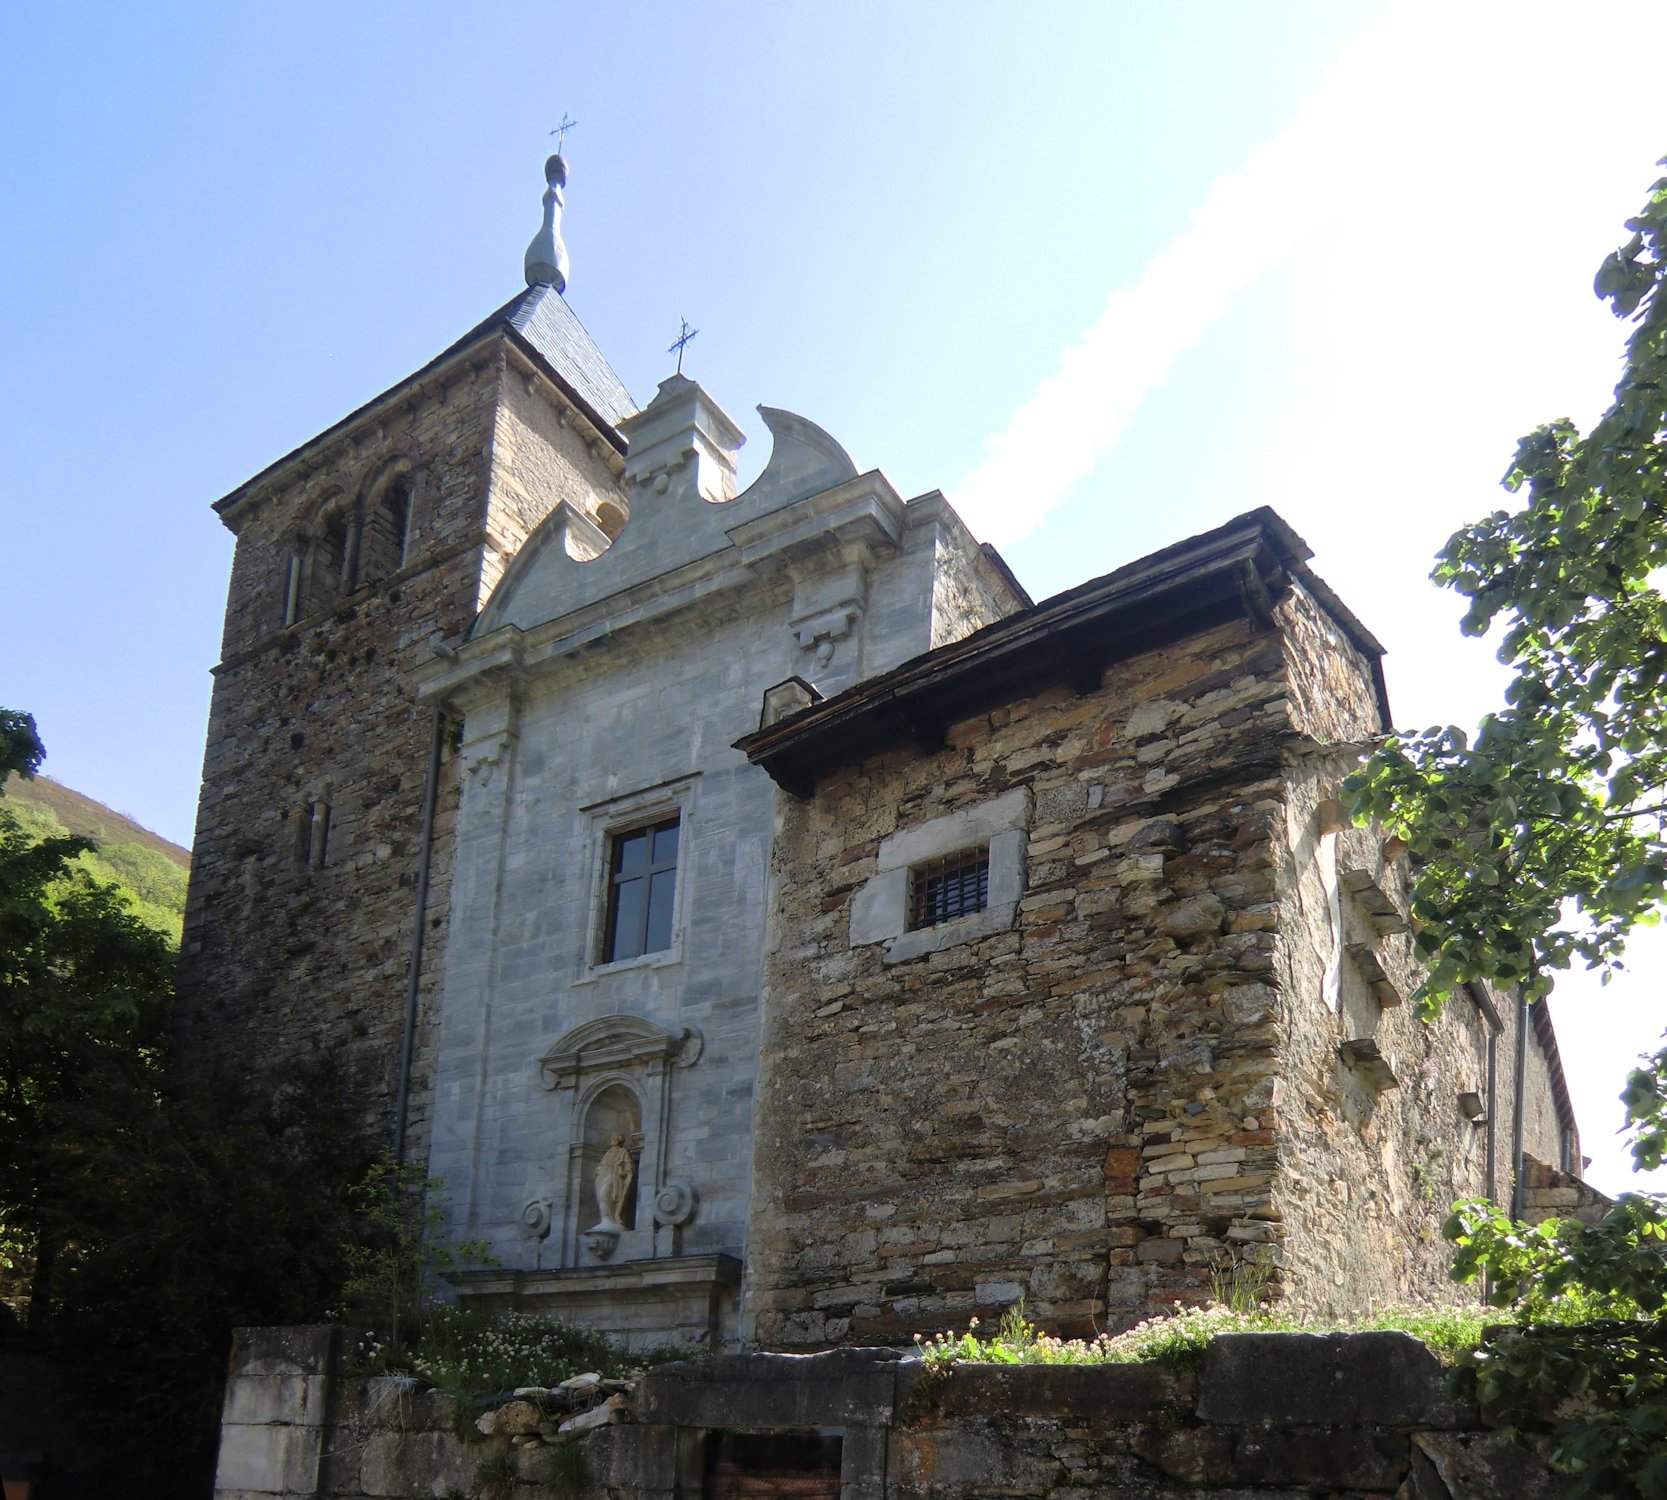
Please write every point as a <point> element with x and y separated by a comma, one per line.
<point>312,834</point>
<point>642,890</point>
<point>386,534</point>
<point>294,572</point>
<point>326,566</point>
<point>940,890</point>
<point>952,879</point>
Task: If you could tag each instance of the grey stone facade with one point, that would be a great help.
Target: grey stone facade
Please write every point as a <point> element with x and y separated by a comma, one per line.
<point>497,630</point>
<point>600,693</point>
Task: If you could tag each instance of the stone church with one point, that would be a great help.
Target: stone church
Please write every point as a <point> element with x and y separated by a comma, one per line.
<point>776,928</point>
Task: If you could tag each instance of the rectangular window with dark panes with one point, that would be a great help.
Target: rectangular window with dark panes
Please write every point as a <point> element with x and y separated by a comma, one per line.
<point>642,891</point>
<point>943,889</point>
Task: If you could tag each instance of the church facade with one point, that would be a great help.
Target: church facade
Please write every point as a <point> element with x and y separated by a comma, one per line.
<point>772,925</point>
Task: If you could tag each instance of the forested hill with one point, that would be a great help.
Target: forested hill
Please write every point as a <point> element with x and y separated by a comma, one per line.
<point>149,869</point>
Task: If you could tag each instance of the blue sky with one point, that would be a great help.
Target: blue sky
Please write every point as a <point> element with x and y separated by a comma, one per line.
<point>1105,273</point>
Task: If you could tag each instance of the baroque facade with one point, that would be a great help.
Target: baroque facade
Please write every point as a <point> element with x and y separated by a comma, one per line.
<point>772,925</point>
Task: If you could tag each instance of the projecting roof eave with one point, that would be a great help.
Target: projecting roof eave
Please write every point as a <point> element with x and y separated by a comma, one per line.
<point>1235,571</point>
<point>498,324</point>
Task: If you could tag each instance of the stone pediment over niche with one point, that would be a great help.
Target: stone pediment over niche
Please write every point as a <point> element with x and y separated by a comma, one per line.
<point>617,1043</point>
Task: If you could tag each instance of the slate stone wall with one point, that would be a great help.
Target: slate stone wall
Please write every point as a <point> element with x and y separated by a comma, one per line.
<point>1136,1085</point>
<point>283,958</point>
<point>1278,1416</point>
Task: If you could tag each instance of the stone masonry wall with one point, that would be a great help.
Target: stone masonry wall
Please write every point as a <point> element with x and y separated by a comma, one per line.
<point>1073,1109</point>
<point>1373,1154</point>
<point>284,957</point>
<point>1279,1416</point>
<point>1138,1081</point>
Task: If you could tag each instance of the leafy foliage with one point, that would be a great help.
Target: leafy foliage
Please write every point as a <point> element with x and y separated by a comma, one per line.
<point>1179,1335</point>
<point>475,1352</point>
<point>216,1202</point>
<point>1590,1359</point>
<point>151,883</point>
<point>1542,840</point>
<point>399,1249</point>
<point>85,997</point>
<point>150,1203</point>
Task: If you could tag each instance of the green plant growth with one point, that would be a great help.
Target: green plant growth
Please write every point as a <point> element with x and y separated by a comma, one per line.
<point>495,1475</point>
<point>1180,1335</point>
<point>477,1352</point>
<point>1540,841</point>
<point>399,1249</point>
<point>1589,1359</point>
<point>152,883</point>
<point>565,1470</point>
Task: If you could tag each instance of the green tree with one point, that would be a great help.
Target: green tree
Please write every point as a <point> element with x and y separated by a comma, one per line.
<point>152,1203</point>
<point>1540,841</point>
<point>85,994</point>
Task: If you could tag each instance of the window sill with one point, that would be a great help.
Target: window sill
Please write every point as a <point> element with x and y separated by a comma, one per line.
<point>949,934</point>
<point>662,958</point>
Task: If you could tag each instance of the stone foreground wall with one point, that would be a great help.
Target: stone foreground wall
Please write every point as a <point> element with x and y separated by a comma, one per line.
<point>1277,1416</point>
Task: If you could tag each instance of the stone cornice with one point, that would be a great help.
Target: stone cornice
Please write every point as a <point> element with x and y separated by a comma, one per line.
<point>757,564</point>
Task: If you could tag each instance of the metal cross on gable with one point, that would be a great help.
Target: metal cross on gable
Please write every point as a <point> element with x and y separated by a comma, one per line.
<point>685,333</point>
<point>562,127</point>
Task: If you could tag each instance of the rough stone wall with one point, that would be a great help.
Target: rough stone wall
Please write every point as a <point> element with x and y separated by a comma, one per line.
<point>968,591</point>
<point>284,957</point>
<point>1323,1417</point>
<point>1550,1194</point>
<point>1074,1109</point>
<point>1190,1048</point>
<point>1371,1162</point>
<point>540,452</point>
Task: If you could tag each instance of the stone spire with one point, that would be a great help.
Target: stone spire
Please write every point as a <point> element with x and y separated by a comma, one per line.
<point>546,263</point>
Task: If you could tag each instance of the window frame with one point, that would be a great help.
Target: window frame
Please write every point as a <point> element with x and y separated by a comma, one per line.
<point>618,877</point>
<point>949,900</point>
<point>623,816</point>
<point>881,906</point>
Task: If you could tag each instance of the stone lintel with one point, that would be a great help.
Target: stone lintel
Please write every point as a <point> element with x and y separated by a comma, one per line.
<point>1366,1059</point>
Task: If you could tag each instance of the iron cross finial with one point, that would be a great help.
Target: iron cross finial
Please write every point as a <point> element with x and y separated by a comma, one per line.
<point>685,333</point>
<point>562,127</point>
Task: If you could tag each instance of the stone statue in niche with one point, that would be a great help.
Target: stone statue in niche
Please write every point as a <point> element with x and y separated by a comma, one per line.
<point>613,1178</point>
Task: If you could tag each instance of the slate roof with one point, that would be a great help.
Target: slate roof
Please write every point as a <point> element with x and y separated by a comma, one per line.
<point>541,316</point>
<point>543,322</point>
<point>1071,637</point>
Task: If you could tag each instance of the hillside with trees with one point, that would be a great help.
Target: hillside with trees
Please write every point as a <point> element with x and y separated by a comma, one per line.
<point>148,870</point>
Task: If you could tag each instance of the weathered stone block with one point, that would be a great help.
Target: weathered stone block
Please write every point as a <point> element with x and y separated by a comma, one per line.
<point>407,1465</point>
<point>269,1460</point>
<point>1323,1379</point>
<point>839,1388</point>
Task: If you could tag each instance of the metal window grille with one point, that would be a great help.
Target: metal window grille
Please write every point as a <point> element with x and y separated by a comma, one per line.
<point>942,889</point>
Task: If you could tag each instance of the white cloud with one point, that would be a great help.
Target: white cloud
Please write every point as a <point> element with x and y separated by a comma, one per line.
<point>1435,119</point>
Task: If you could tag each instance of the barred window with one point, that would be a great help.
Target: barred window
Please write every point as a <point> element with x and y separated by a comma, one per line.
<point>955,886</point>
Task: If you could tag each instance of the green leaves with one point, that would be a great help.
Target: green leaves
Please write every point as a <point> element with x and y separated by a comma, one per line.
<point>1541,843</point>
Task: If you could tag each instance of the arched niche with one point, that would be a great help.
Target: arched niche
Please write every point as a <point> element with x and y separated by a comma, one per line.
<point>615,1076</point>
<point>385,531</point>
<point>612,1117</point>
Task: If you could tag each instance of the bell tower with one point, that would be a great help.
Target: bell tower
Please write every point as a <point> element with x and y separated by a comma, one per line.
<point>322,861</point>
